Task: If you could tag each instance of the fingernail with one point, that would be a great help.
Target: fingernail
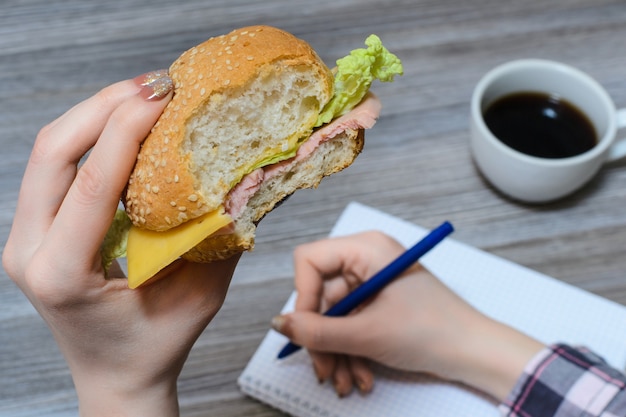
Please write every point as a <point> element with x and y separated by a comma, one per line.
<point>278,323</point>
<point>154,85</point>
<point>338,390</point>
<point>150,77</point>
<point>320,380</point>
<point>362,386</point>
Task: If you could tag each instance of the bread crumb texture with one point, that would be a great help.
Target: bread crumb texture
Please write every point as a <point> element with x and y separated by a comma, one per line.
<point>239,100</point>
<point>332,156</point>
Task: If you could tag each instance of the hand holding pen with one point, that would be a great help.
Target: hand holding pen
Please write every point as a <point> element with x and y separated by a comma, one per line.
<point>384,277</point>
<point>398,327</point>
<point>415,323</point>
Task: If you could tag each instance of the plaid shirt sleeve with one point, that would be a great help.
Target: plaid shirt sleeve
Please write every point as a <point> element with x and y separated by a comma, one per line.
<point>562,381</point>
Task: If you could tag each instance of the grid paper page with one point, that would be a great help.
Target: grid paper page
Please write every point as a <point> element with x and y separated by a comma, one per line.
<point>534,303</point>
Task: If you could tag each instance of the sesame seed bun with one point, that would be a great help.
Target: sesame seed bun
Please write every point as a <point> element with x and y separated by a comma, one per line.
<point>238,98</point>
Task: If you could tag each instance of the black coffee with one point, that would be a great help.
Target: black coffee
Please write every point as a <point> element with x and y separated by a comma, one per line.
<point>540,125</point>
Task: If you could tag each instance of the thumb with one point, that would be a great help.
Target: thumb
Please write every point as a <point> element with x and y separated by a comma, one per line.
<point>321,333</point>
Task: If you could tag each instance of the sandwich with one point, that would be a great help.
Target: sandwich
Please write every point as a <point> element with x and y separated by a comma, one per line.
<point>255,116</point>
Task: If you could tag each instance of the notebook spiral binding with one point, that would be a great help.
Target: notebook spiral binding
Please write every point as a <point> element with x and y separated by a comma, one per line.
<point>282,400</point>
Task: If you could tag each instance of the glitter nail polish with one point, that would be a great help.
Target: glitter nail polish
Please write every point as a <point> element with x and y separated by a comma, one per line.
<point>150,77</point>
<point>157,89</point>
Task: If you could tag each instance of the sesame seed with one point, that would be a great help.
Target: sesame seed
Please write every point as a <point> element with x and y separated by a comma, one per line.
<point>155,189</point>
<point>148,187</point>
<point>167,220</point>
<point>182,208</point>
<point>250,58</point>
<point>176,178</point>
<point>202,91</point>
<point>182,216</point>
<point>173,203</point>
<point>226,82</point>
<point>192,197</point>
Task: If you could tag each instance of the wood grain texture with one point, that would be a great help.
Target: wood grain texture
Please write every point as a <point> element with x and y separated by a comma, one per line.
<point>415,164</point>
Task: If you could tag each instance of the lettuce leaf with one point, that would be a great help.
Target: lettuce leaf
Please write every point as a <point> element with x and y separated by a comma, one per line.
<point>114,244</point>
<point>355,74</point>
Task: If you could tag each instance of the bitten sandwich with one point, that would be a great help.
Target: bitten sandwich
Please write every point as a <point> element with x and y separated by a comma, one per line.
<point>255,116</point>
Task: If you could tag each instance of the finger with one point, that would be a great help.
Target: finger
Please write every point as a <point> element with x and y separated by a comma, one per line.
<point>94,195</point>
<point>323,364</point>
<point>334,290</point>
<point>353,258</point>
<point>316,262</point>
<point>324,334</point>
<point>342,378</point>
<point>362,375</point>
<point>52,164</point>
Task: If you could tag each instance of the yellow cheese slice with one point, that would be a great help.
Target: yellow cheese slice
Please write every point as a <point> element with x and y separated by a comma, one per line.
<point>148,252</point>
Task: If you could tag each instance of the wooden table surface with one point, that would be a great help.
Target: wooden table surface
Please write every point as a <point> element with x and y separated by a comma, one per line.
<point>415,165</point>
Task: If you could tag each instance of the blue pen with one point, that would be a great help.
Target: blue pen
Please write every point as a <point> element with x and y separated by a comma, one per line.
<point>381,279</point>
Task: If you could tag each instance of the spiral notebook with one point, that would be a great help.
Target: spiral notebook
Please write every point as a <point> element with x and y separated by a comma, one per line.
<point>543,307</point>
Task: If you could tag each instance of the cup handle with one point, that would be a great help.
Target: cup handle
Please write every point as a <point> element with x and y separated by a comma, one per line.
<point>618,150</point>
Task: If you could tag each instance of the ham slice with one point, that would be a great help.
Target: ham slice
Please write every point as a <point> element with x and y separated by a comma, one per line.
<point>363,116</point>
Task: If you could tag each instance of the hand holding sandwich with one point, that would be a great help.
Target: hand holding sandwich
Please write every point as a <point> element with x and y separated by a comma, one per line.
<point>112,336</point>
<point>235,126</point>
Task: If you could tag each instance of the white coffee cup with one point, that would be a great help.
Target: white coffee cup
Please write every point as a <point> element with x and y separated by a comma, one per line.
<point>535,179</point>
